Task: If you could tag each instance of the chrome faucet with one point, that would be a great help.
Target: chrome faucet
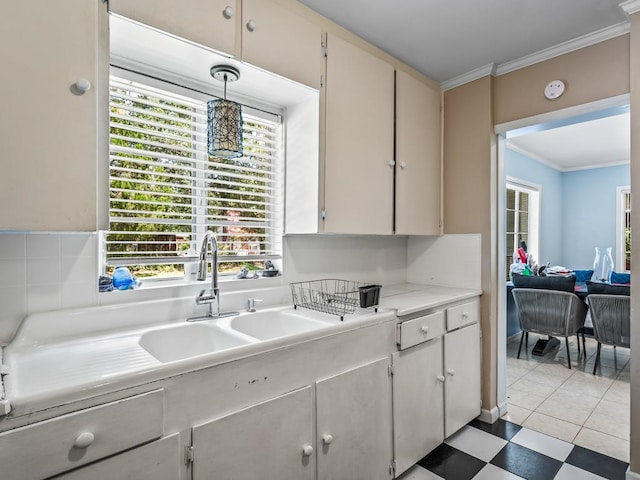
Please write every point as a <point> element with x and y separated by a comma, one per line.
<point>210,297</point>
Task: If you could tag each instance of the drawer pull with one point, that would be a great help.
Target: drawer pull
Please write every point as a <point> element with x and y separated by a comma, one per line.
<point>440,378</point>
<point>424,329</point>
<point>84,440</point>
<point>307,450</point>
<point>327,438</point>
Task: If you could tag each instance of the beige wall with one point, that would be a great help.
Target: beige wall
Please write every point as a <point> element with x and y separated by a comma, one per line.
<point>470,172</point>
<point>592,73</point>
<point>468,141</point>
<point>634,67</point>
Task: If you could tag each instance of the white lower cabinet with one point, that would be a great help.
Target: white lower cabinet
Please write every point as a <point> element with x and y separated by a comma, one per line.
<point>160,460</point>
<point>354,424</point>
<point>436,381</point>
<point>418,407</point>
<point>273,439</point>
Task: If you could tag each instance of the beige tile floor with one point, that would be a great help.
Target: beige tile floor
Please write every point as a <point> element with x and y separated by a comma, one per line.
<point>573,405</point>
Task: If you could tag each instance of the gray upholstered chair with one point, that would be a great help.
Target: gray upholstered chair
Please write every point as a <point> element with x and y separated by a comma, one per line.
<point>549,312</point>
<point>611,317</point>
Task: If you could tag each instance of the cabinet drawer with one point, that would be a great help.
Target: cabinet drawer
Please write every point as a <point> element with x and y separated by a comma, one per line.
<point>47,448</point>
<point>462,315</point>
<point>421,329</point>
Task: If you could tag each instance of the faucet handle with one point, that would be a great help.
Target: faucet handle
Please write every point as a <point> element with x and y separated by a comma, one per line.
<point>251,304</point>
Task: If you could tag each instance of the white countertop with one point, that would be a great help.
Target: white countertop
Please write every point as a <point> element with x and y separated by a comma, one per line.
<point>408,298</point>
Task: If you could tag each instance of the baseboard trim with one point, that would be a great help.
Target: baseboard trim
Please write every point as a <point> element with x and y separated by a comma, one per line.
<point>490,416</point>
<point>629,475</point>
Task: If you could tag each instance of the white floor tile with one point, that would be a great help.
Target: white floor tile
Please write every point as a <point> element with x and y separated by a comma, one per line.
<point>568,406</point>
<point>552,426</point>
<point>491,472</point>
<point>611,418</point>
<point>527,400</point>
<point>539,442</point>
<point>601,442</point>
<point>418,473</point>
<point>516,414</point>
<point>476,442</point>
<point>569,472</point>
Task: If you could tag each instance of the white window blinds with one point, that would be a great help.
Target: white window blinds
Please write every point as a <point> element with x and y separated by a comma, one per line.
<point>165,192</point>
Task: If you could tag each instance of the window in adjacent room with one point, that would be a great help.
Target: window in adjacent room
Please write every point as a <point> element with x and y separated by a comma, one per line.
<point>165,191</point>
<point>623,229</point>
<point>522,222</point>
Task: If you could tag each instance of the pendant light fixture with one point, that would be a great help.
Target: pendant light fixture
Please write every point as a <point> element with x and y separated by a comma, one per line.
<point>224,118</point>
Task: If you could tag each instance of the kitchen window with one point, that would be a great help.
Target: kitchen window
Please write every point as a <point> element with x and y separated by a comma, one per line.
<point>165,192</point>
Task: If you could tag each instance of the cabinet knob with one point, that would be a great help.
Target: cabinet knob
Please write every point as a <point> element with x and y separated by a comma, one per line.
<point>84,440</point>
<point>327,438</point>
<point>82,85</point>
<point>403,165</point>
<point>228,12</point>
<point>391,163</point>
<point>440,378</point>
<point>424,329</point>
<point>251,25</point>
<point>450,372</point>
<point>465,314</point>
<point>307,450</point>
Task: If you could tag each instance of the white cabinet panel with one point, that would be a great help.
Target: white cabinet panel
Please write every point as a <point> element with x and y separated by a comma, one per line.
<point>418,409</point>
<point>418,157</point>
<point>462,373</point>
<point>53,137</point>
<point>212,23</point>
<point>359,141</point>
<point>263,441</point>
<point>354,424</point>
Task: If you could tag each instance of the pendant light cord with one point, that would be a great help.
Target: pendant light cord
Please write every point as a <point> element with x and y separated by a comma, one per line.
<point>225,86</point>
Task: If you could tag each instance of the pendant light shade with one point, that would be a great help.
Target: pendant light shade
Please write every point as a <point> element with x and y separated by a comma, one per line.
<point>224,118</point>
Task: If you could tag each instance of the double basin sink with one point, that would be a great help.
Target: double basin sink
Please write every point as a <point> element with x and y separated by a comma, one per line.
<point>190,339</point>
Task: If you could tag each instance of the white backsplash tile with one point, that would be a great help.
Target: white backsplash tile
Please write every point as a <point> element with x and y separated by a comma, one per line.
<point>43,271</point>
<point>78,245</point>
<point>13,302</point>
<point>43,245</point>
<point>13,272</point>
<point>41,298</point>
<point>13,245</point>
<point>78,294</point>
<point>79,269</point>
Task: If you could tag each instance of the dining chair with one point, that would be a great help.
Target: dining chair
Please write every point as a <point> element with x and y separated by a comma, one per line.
<point>549,312</point>
<point>611,317</point>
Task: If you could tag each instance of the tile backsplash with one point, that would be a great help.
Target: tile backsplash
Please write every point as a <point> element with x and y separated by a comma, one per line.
<point>45,271</point>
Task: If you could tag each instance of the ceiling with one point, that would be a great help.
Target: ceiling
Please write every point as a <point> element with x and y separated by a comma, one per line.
<point>448,40</point>
<point>445,39</point>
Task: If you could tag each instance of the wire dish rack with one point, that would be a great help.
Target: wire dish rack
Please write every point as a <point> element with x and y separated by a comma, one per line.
<point>333,296</point>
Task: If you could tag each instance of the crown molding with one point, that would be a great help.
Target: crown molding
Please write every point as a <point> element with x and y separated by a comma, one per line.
<point>565,47</point>
<point>587,40</point>
<point>630,6</point>
<point>533,156</point>
<point>468,77</point>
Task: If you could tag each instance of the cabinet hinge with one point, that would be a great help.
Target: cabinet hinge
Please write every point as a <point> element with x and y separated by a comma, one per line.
<point>188,455</point>
<point>321,81</point>
<point>392,468</point>
<point>324,49</point>
<point>323,214</point>
<point>390,370</point>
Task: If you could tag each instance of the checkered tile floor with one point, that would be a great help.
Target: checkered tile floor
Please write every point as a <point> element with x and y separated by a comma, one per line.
<point>506,451</point>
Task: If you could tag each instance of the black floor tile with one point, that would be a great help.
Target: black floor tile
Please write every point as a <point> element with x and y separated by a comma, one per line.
<point>501,428</point>
<point>597,463</point>
<point>526,463</point>
<point>452,464</point>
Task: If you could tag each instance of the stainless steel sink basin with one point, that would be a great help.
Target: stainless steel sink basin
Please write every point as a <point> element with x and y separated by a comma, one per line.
<point>189,340</point>
<point>269,324</point>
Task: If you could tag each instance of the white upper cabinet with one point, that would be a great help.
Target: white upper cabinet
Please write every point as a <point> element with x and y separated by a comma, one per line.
<point>212,23</point>
<point>259,32</point>
<point>418,157</point>
<point>54,129</point>
<point>278,40</point>
<point>359,157</point>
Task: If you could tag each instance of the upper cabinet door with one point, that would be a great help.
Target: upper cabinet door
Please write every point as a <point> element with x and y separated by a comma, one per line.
<point>212,23</point>
<point>278,40</point>
<point>418,157</point>
<point>52,133</point>
<point>359,141</point>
